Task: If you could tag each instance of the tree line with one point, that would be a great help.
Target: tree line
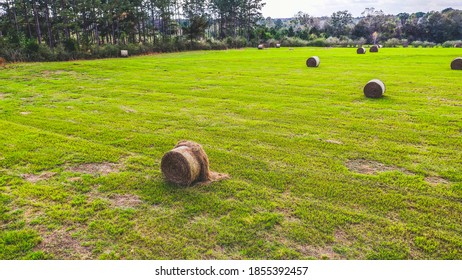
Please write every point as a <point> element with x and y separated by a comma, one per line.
<point>70,29</point>
<point>374,26</point>
<point>83,26</point>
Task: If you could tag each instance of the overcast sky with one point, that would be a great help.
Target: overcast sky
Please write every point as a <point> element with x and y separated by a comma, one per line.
<point>287,8</point>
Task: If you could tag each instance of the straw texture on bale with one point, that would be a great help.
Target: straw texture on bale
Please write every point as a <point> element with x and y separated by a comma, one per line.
<point>361,51</point>
<point>188,164</point>
<point>374,48</point>
<point>456,64</point>
<point>261,47</point>
<point>313,61</point>
<point>374,89</point>
<point>124,53</point>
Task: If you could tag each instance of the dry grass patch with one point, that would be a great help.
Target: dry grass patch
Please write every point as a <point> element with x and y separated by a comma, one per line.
<point>128,110</point>
<point>63,246</point>
<point>334,142</point>
<point>34,178</point>
<point>370,167</point>
<point>326,252</point>
<point>103,168</point>
<point>435,180</point>
<point>125,200</point>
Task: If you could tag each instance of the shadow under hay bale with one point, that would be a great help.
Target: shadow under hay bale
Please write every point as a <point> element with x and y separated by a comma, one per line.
<point>188,164</point>
<point>456,64</point>
<point>374,89</point>
<point>313,61</point>
<point>361,51</point>
<point>124,53</point>
<point>374,48</point>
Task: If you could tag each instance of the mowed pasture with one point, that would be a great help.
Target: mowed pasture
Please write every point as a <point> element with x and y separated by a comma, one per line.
<point>318,171</point>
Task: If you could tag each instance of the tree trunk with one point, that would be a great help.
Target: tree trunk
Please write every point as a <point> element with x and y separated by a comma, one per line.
<point>47,18</point>
<point>37,24</point>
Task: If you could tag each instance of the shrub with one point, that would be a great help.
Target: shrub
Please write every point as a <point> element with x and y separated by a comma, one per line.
<point>293,42</point>
<point>452,44</point>
<point>417,44</point>
<point>393,42</point>
<point>320,42</point>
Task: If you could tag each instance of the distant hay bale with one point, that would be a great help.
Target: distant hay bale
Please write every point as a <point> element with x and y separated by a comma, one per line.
<point>374,89</point>
<point>278,46</point>
<point>2,61</point>
<point>124,53</point>
<point>188,164</point>
<point>313,61</point>
<point>361,50</point>
<point>374,48</point>
<point>261,47</point>
<point>458,45</point>
<point>456,64</point>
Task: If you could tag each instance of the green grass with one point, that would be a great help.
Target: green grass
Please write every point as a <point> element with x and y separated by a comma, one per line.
<point>287,135</point>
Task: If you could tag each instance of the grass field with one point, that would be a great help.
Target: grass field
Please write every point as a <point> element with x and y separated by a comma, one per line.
<point>317,170</point>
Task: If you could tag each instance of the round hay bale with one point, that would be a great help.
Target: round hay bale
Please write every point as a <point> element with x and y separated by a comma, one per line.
<point>313,61</point>
<point>188,164</point>
<point>374,48</point>
<point>361,50</point>
<point>2,61</point>
<point>278,46</point>
<point>124,53</point>
<point>374,89</point>
<point>261,47</point>
<point>456,64</point>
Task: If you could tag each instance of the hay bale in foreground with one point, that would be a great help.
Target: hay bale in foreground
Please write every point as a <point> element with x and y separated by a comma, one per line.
<point>374,48</point>
<point>374,89</point>
<point>456,64</point>
<point>313,61</point>
<point>188,164</point>
<point>261,47</point>
<point>124,53</point>
<point>361,50</point>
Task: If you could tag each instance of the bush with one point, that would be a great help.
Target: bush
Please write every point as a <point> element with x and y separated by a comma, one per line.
<point>393,42</point>
<point>452,44</point>
<point>427,44</point>
<point>236,42</point>
<point>320,42</point>
<point>417,44</point>
<point>293,42</point>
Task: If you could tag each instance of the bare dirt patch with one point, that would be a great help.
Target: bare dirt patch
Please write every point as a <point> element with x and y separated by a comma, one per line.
<point>34,178</point>
<point>370,167</point>
<point>47,73</point>
<point>125,200</point>
<point>326,252</point>
<point>103,168</point>
<point>434,181</point>
<point>63,246</point>
<point>128,110</point>
<point>334,142</point>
